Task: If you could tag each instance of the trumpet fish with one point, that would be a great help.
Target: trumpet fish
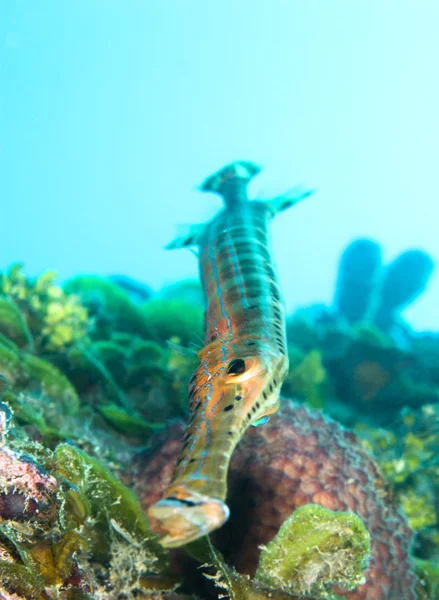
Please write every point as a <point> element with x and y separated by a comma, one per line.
<point>244,360</point>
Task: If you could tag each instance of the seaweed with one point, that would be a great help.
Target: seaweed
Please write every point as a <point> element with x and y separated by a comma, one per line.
<point>316,548</point>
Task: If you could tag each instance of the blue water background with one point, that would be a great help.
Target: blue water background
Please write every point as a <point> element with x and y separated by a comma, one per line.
<point>111,112</point>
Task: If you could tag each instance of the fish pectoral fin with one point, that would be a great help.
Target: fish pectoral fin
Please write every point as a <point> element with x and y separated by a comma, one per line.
<point>289,198</point>
<point>188,235</point>
<point>183,350</point>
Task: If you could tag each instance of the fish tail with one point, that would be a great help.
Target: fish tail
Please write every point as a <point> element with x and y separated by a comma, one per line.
<point>231,182</point>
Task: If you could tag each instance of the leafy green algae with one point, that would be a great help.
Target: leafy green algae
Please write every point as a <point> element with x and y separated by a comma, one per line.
<point>428,572</point>
<point>315,547</point>
<point>18,580</point>
<point>37,314</point>
<point>174,318</point>
<point>115,527</point>
<point>96,526</point>
<point>110,306</point>
<point>13,325</point>
<point>127,423</point>
<point>232,584</point>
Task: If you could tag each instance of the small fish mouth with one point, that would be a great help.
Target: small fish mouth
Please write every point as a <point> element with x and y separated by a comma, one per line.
<point>185,520</point>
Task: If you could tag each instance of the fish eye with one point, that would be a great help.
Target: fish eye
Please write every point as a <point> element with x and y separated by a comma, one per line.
<point>236,367</point>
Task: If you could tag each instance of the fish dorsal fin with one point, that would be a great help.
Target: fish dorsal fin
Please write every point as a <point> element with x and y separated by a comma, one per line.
<point>188,235</point>
<point>288,199</point>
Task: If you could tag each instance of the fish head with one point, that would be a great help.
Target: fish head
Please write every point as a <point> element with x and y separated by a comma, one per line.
<point>246,374</point>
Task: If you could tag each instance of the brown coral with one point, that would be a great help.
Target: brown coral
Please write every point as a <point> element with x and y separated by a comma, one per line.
<point>298,458</point>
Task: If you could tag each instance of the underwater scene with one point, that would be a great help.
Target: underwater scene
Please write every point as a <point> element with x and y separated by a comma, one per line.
<point>247,406</point>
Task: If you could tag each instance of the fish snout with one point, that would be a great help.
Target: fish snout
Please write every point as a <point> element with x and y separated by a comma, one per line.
<point>185,520</point>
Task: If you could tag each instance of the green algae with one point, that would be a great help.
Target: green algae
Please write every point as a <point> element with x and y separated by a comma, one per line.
<point>13,325</point>
<point>306,378</point>
<point>27,374</point>
<point>10,363</point>
<point>127,423</point>
<point>175,319</point>
<point>428,572</point>
<point>112,505</point>
<point>52,381</point>
<point>409,459</point>
<point>232,584</point>
<point>115,527</point>
<point>37,314</point>
<point>88,367</point>
<point>110,306</point>
<point>93,516</point>
<point>17,579</point>
<point>113,357</point>
<point>314,548</point>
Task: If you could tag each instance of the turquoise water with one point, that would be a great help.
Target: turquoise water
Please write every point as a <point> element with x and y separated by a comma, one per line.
<point>111,114</point>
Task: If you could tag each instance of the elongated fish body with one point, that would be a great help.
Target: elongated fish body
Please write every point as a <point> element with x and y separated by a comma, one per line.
<point>244,360</point>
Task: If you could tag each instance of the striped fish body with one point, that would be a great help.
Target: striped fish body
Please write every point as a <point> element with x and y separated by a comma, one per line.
<point>244,360</point>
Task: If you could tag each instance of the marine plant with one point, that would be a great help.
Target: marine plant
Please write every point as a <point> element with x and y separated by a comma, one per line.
<point>110,306</point>
<point>36,314</point>
<point>409,458</point>
<point>70,529</point>
<point>314,550</point>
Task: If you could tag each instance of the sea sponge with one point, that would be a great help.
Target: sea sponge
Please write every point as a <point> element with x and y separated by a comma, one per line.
<point>404,279</point>
<point>357,277</point>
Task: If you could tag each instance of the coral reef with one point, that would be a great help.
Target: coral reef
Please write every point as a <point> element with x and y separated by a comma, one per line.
<point>91,375</point>
<point>364,372</point>
<point>109,371</point>
<point>71,530</point>
<point>409,458</point>
<point>296,459</point>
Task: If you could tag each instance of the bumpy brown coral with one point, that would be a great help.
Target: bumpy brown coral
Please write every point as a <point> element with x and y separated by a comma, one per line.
<point>298,458</point>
